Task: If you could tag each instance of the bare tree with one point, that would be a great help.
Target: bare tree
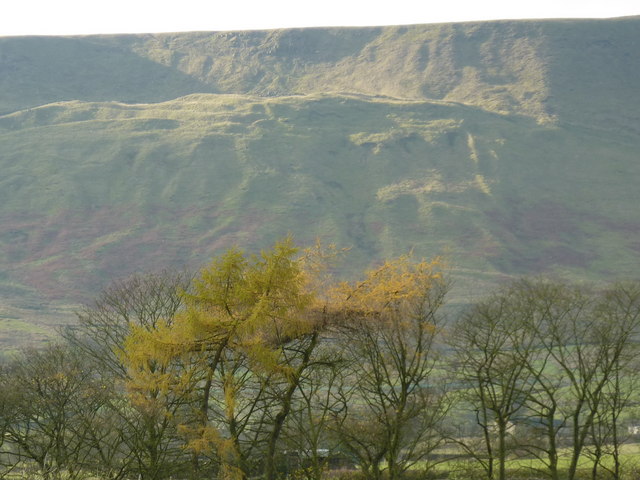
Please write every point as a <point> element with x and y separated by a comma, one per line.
<point>8,460</point>
<point>583,348</point>
<point>618,312</point>
<point>53,398</point>
<point>544,309</point>
<point>142,435</point>
<point>142,300</point>
<point>548,357</point>
<point>491,354</point>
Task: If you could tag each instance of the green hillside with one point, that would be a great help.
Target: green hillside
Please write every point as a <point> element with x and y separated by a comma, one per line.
<point>511,147</point>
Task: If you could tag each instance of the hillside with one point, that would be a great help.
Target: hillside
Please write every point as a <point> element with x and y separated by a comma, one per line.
<point>509,146</point>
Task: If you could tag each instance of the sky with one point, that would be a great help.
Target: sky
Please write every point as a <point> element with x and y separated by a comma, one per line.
<point>82,17</point>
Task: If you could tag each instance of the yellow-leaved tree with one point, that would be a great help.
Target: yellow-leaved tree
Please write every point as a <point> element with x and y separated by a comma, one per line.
<point>392,403</point>
<point>247,347</point>
<point>244,340</point>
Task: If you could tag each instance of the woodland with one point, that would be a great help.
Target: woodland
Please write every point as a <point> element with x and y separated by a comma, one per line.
<point>263,366</point>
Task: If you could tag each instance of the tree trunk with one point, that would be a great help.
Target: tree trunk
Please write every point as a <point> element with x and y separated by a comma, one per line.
<point>552,449</point>
<point>270,472</point>
<point>502,448</point>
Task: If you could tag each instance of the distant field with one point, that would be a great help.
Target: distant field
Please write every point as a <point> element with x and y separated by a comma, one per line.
<point>524,468</point>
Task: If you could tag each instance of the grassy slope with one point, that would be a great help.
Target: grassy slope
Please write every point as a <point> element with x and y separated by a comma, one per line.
<point>91,190</point>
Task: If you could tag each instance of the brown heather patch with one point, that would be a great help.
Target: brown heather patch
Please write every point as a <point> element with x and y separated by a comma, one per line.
<point>72,255</point>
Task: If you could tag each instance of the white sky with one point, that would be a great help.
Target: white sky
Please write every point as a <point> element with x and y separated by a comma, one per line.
<point>79,17</point>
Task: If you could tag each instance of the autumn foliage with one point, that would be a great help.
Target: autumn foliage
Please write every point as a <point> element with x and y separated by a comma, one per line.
<point>251,331</point>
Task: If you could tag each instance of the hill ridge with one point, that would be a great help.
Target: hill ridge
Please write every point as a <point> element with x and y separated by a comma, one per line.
<point>439,61</point>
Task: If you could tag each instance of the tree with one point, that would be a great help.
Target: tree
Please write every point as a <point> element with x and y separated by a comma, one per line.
<point>140,301</point>
<point>578,362</point>
<point>7,459</point>
<point>308,436</point>
<point>618,311</point>
<point>139,438</point>
<point>492,352</point>
<point>389,324</point>
<point>537,303</point>
<point>247,321</point>
<point>548,357</point>
<point>53,400</point>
